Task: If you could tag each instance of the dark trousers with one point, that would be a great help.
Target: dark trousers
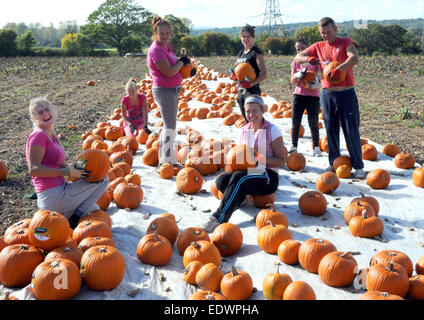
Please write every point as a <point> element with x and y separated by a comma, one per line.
<point>341,108</point>
<point>236,186</point>
<point>243,94</point>
<point>311,104</point>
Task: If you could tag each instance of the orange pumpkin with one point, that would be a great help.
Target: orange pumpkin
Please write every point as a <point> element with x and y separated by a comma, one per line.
<point>288,251</point>
<point>127,195</point>
<point>245,72</point>
<point>189,181</point>
<point>299,290</point>
<point>154,249</point>
<point>418,177</point>
<point>312,251</point>
<point>327,182</point>
<point>378,179</point>
<point>313,203</point>
<point>96,162</point>
<point>237,285</point>
<point>189,235</point>
<point>228,238</point>
<point>328,68</point>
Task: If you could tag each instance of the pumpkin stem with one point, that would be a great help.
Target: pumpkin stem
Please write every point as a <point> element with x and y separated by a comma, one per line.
<point>270,222</point>
<point>346,254</point>
<point>196,245</point>
<point>179,220</point>
<point>271,205</point>
<point>6,297</point>
<point>103,250</point>
<point>234,271</point>
<point>364,214</point>
<point>362,194</point>
<point>390,266</point>
<point>210,296</point>
<point>385,294</point>
<point>320,241</point>
<point>67,249</point>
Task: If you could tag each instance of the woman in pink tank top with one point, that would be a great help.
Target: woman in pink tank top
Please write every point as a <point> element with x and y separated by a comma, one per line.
<point>134,110</point>
<point>47,166</point>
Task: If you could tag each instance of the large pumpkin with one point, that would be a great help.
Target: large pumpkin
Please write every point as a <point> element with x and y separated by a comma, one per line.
<point>388,277</point>
<point>337,269</point>
<point>48,229</point>
<point>189,181</point>
<point>245,72</point>
<point>328,69</point>
<point>127,195</point>
<point>395,256</point>
<point>312,251</point>
<point>366,227</point>
<point>296,161</point>
<point>17,263</point>
<point>59,279</point>
<point>102,267</point>
<point>91,228</point>
<point>96,162</point>
<point>240,157</point>
<point>404,160</point>
<point>209,277</point>
<point>275,284</point>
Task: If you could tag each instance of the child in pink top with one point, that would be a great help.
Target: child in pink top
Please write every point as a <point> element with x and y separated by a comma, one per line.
<point>134,110</point>
<point>304,99</point>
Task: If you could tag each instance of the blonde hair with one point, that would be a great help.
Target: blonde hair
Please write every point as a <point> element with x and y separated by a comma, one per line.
<point>132,83</point>
<point>36,102</point>
<point>157,22</point>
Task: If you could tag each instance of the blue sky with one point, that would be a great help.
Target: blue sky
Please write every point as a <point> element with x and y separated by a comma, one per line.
<point>216,13</point>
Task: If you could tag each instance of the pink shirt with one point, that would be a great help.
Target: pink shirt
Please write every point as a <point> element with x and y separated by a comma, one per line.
<point>134,113</point>
<point>299,88</point>
<point>54,156</point>
<point>334,52</point>
<point>157,53</point>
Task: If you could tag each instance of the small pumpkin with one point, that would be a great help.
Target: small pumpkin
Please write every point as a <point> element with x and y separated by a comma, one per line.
<point>312,251</point>
<point>189,181</point>
<point>209,277</point>
<point>341,160</point>
<point>395,256</point>
<point>262,201</point>
<point>404,160</point>
<point>327,182</point>
<point>102,267</point>
<point>344,171</point>
<point>378,295</point>
<point>166,171</point>
<point>378,179</point>
<point>296,161</point>
<point>288,251</point>
<point>165,227</point>
<point>313,203</point>
<point>416,287</point>
<point>271,214</point>
<point>203,251</point>
<point>270,237</point>
<point>96,162</point>
<point>206,295</point>
<point>299,290</point>
<point>368,199</point>
<point>65,252</point>
<point>418,177</point>
<point>228,238</point>
<point>419,266</point>
<point>89,242</point>
<point>190,272</point>
<point>240,157</point>
<point>327,73</point>
<point>275,284</point>
<point>151,157</point>
<point>357,208</point>
<point>369,152</point>
<point>3,171</point>
<point>245,72</point>
<point>189,235</point>
<point>391,150</point>
<point>366,227</point>
<point>91,228</point>
<point>237,285</point>
<point>154,249</point>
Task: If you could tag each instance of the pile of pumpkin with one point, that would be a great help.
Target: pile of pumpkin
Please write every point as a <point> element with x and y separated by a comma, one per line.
<point>45,252</point>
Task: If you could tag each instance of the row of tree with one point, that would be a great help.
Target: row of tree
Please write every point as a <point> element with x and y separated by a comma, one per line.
<point>126,26</point>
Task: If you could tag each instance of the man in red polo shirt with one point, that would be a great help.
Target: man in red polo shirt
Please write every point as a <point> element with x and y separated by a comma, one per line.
<point>338,101</point>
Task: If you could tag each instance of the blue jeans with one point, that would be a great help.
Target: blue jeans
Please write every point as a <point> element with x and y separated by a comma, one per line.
<point>341,108</point>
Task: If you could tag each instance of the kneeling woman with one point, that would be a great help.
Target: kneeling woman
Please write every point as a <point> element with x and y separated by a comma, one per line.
<point>267,142</point>
<point>47,166</point>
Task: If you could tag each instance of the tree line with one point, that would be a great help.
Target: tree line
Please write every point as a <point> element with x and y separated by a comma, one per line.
<point>126,26</point>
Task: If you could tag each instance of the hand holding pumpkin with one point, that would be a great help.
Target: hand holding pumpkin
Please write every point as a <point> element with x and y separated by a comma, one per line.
<point>245,84</point>
<point>335,74</point>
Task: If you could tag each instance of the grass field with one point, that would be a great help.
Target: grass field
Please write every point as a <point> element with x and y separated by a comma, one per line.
<point>389,90</point>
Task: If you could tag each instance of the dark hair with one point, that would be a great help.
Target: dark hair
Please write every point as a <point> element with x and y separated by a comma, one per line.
<point>249,29</point>
<point>326,21</point>
<point>302,41</point>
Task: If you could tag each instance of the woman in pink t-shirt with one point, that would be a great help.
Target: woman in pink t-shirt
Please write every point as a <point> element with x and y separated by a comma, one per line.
<point>134,110</point>
<point>164,68</point>
<point>304,98</point>
<point>47,166</point>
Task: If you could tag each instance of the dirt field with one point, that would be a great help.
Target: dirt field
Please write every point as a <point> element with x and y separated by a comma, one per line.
<point>389,91</point>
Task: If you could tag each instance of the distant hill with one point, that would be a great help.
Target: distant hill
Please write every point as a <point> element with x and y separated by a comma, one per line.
<point>344,28</point>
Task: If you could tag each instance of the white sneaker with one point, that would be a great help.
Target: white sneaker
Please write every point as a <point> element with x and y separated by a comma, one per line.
<point>211,224</point>
<point>293,149</point>
<point>329,169</point>
<point>317,152</point>
<point>359,174</point>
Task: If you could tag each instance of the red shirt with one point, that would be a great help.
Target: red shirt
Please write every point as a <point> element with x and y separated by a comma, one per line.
<point>335,51</point>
